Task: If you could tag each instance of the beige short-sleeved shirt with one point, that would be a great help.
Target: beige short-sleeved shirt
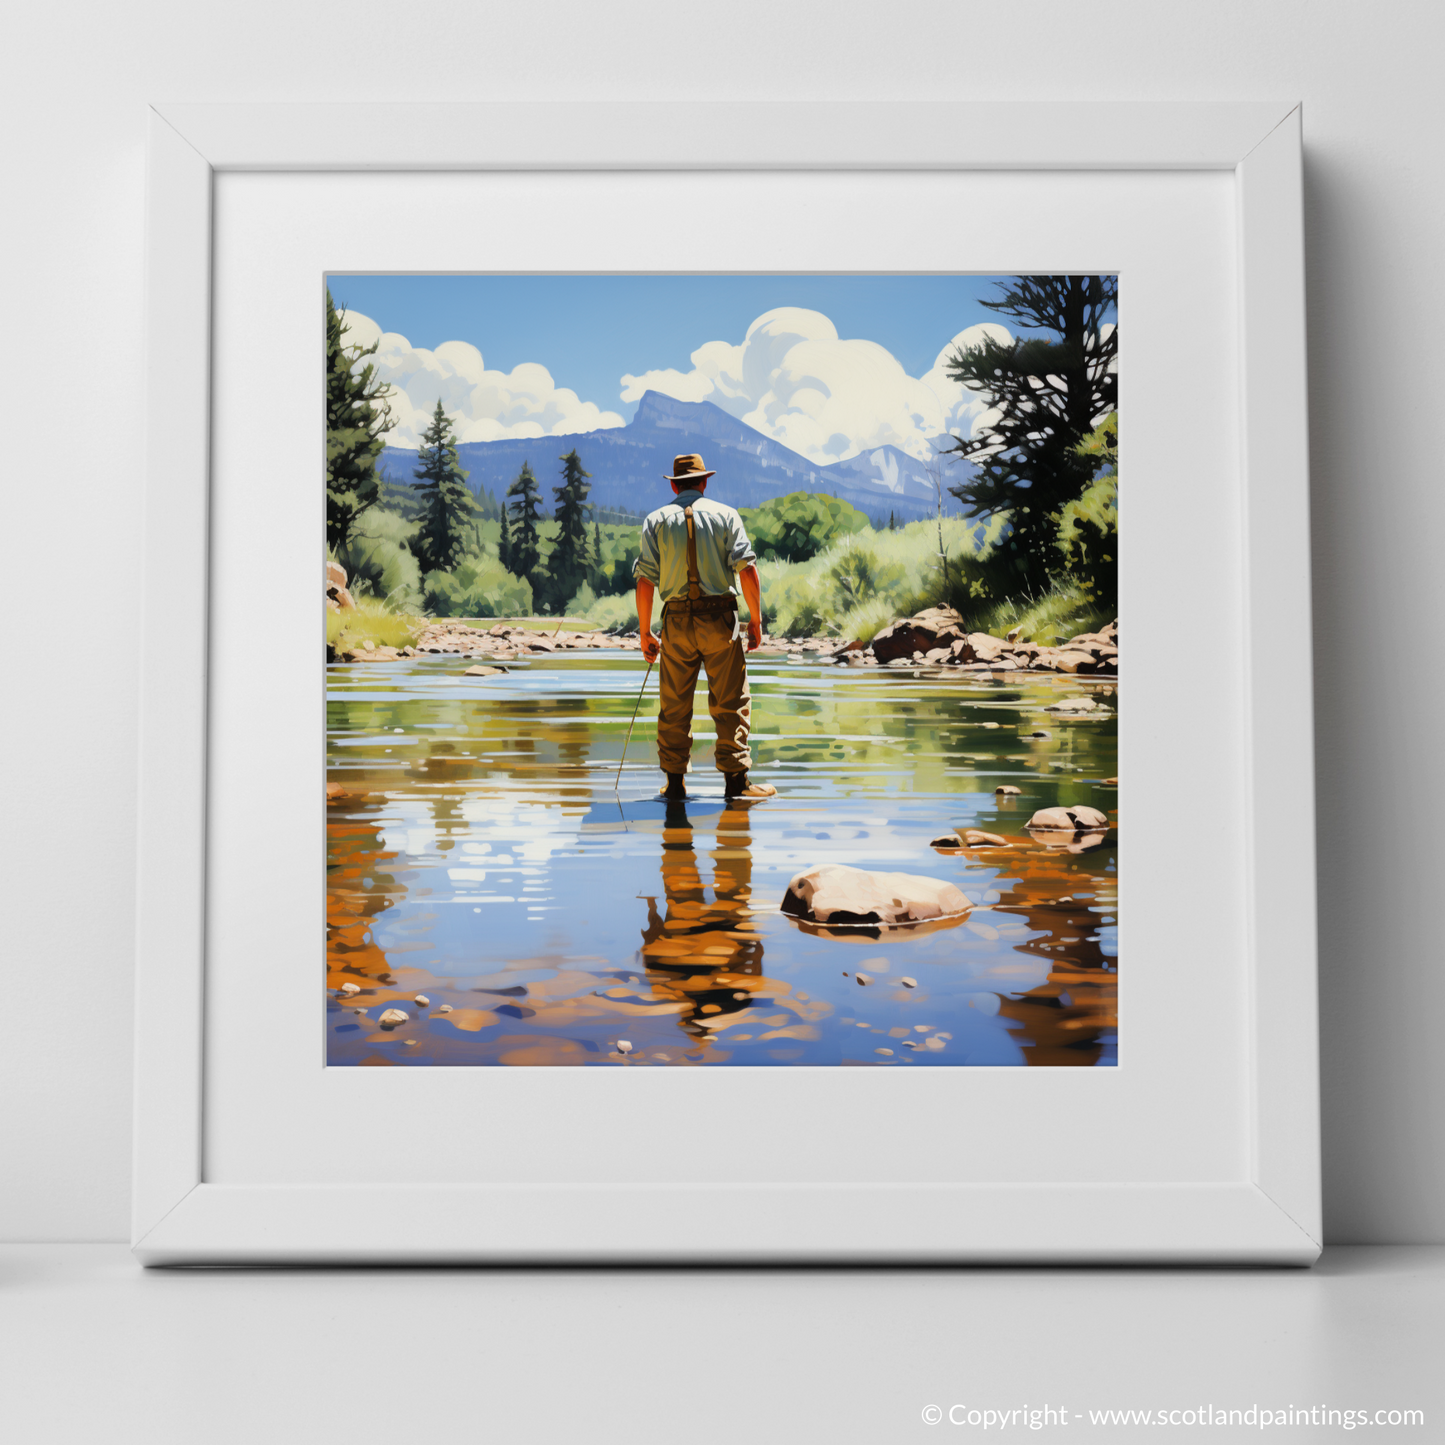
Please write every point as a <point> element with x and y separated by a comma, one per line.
<point>723,549</point>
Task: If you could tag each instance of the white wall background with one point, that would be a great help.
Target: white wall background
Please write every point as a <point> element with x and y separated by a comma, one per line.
<point>78,80</point>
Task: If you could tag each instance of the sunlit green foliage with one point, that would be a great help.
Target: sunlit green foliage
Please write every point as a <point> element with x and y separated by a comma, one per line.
<point>373,620</point>
<point>379,561</point>
<point>1088,535</point>
<point>800,525</point>
<point>477,587</point>
<point>841,589</point>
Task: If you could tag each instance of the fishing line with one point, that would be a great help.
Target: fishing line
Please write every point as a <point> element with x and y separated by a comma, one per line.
<point>617,786</point>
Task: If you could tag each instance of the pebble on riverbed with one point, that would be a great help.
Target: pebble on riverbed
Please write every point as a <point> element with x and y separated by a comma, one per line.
<point>349,990</point>
<point>977,839</point>
<point>422,999</point>
<point>908,982</point>
<point>446,1008</point>
<point>624,1046</point>
<point>392,1017</point>
<point>1007,790</point>
<point>864,978</point>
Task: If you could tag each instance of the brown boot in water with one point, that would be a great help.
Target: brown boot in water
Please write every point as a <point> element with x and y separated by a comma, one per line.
<point>676,789</point>
<point>736,785</point>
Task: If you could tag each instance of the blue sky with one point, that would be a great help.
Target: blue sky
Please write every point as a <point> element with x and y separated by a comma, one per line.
<point>590,330</point>
<point>827,365</point>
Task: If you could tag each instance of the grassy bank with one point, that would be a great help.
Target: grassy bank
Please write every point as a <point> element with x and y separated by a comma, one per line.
<point>857,586</point>
<point>851,589</point>
<point>373,623</point>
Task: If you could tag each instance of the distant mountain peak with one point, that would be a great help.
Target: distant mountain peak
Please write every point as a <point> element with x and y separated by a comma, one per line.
<point>628,464</point>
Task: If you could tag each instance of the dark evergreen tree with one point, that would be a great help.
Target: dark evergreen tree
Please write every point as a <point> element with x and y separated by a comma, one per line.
<point>357,420</point>
<point>446,503</point>
<point>594,570</point>
<point>524,504</point>
<point>504,542</point>
<point>1050,392</point>
<point>567,566</point>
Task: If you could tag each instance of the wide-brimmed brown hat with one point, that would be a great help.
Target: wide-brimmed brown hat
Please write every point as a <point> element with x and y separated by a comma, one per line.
<point>689,468</point>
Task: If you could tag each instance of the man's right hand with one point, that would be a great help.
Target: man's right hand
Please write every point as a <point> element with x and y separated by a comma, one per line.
<point>755,636</point>
<point>651,645</point>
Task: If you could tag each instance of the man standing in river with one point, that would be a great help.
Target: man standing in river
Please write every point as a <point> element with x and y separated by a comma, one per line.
<point>694,550</point>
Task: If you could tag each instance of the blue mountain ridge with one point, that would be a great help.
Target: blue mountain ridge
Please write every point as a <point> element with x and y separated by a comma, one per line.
<point>628,464</point>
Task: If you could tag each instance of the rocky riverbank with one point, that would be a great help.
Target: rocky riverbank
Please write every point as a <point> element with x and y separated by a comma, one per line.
<point>937,638</point>
<point>934,639</point>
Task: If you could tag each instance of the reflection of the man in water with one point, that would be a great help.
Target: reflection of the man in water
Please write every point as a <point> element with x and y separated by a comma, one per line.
<point>704,953</point>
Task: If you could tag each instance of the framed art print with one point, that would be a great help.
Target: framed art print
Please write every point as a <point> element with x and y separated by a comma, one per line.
<point>505,888</point>
<point>534,869</point>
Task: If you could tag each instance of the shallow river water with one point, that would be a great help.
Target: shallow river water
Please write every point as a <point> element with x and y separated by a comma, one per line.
<point>482,856</point>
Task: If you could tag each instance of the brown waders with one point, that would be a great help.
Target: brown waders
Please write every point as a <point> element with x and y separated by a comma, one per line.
<point>699,631</point>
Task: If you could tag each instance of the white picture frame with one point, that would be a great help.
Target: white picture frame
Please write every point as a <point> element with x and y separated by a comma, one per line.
<point>1270,1213</point>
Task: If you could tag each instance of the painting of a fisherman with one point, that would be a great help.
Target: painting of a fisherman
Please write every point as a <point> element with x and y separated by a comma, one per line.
<point>695,551</point>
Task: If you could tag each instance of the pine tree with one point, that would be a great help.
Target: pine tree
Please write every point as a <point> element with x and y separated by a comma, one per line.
<point>595,561</point>
<point>446,502</point>
<point>567,566</point>
<point>891,524</point>
<point>357,420</point>
<point>524,503</point>
<point>504,542</point>
<point>1048,394</point>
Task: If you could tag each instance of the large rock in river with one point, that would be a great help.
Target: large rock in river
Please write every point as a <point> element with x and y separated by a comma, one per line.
<point>834,893</point>
<point>936,627</point>
<point>1077,819</point>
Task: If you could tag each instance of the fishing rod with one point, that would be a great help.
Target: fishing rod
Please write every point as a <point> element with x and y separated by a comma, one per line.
<point>617,786</point>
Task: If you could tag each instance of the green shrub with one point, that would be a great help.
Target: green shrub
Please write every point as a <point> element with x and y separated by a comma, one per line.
<point>582,603</point>
<point>1089,537</point>
<point>866,620</point>
<point>618,613</point>
<point>478,587</point>
<point>857,576</point>
<point>800,525</point>
<point>379,561</point>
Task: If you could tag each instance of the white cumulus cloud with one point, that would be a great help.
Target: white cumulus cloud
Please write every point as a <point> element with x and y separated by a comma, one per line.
<point>483,405</point>
<point>793,378</point>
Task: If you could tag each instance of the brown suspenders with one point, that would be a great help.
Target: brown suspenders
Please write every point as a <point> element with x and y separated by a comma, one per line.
<point>697,600</point>
<point>694,581</point>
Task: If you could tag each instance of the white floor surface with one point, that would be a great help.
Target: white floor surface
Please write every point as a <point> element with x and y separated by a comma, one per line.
<point>94,1349</point>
